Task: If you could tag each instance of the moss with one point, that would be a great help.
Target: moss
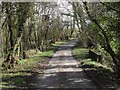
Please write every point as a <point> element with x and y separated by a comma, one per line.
<point>103,75</point>
<point>16,77</point>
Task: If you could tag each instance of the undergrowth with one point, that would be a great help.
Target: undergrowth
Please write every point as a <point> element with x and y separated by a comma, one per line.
<point>102,75</point>
<point>16,77</point>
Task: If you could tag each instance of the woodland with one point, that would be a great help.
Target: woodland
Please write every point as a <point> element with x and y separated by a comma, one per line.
<point>29,27</point>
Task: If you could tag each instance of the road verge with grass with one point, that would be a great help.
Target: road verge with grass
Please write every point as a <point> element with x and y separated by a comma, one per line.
<point>21,74</point>
<point>102,76</point>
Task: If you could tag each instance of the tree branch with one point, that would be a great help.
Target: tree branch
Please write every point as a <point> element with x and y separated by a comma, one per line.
<point>109,49</point>
<point>110,7</point>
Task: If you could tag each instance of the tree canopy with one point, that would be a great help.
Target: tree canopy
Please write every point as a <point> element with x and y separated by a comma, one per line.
<point>35,25</point>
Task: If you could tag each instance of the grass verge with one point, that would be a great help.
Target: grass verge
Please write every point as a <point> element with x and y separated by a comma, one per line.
<point>103,76</point>
<point>19,76</point>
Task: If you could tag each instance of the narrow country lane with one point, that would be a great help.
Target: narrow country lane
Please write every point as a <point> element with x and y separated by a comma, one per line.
<point>33,52</point>
<point>63,71</point>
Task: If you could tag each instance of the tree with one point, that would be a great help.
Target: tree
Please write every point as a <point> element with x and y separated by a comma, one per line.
<point>28,26</point>
<point>108,35</point>
<point>15,17</point>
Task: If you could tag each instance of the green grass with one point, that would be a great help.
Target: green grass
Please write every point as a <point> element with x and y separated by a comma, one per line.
<point>16,77</point>
<point>80,53</point>
<point>90,63</point>
<point>58,43</point>
<point>103,75</point>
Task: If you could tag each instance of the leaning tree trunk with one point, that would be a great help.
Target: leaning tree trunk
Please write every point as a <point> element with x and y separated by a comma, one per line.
<point>107,47</point>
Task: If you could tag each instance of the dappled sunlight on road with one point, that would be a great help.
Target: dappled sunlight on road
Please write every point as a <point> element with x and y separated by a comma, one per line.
<point>63,71</point>
<point>64,80</point>
<point>56,70</point>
